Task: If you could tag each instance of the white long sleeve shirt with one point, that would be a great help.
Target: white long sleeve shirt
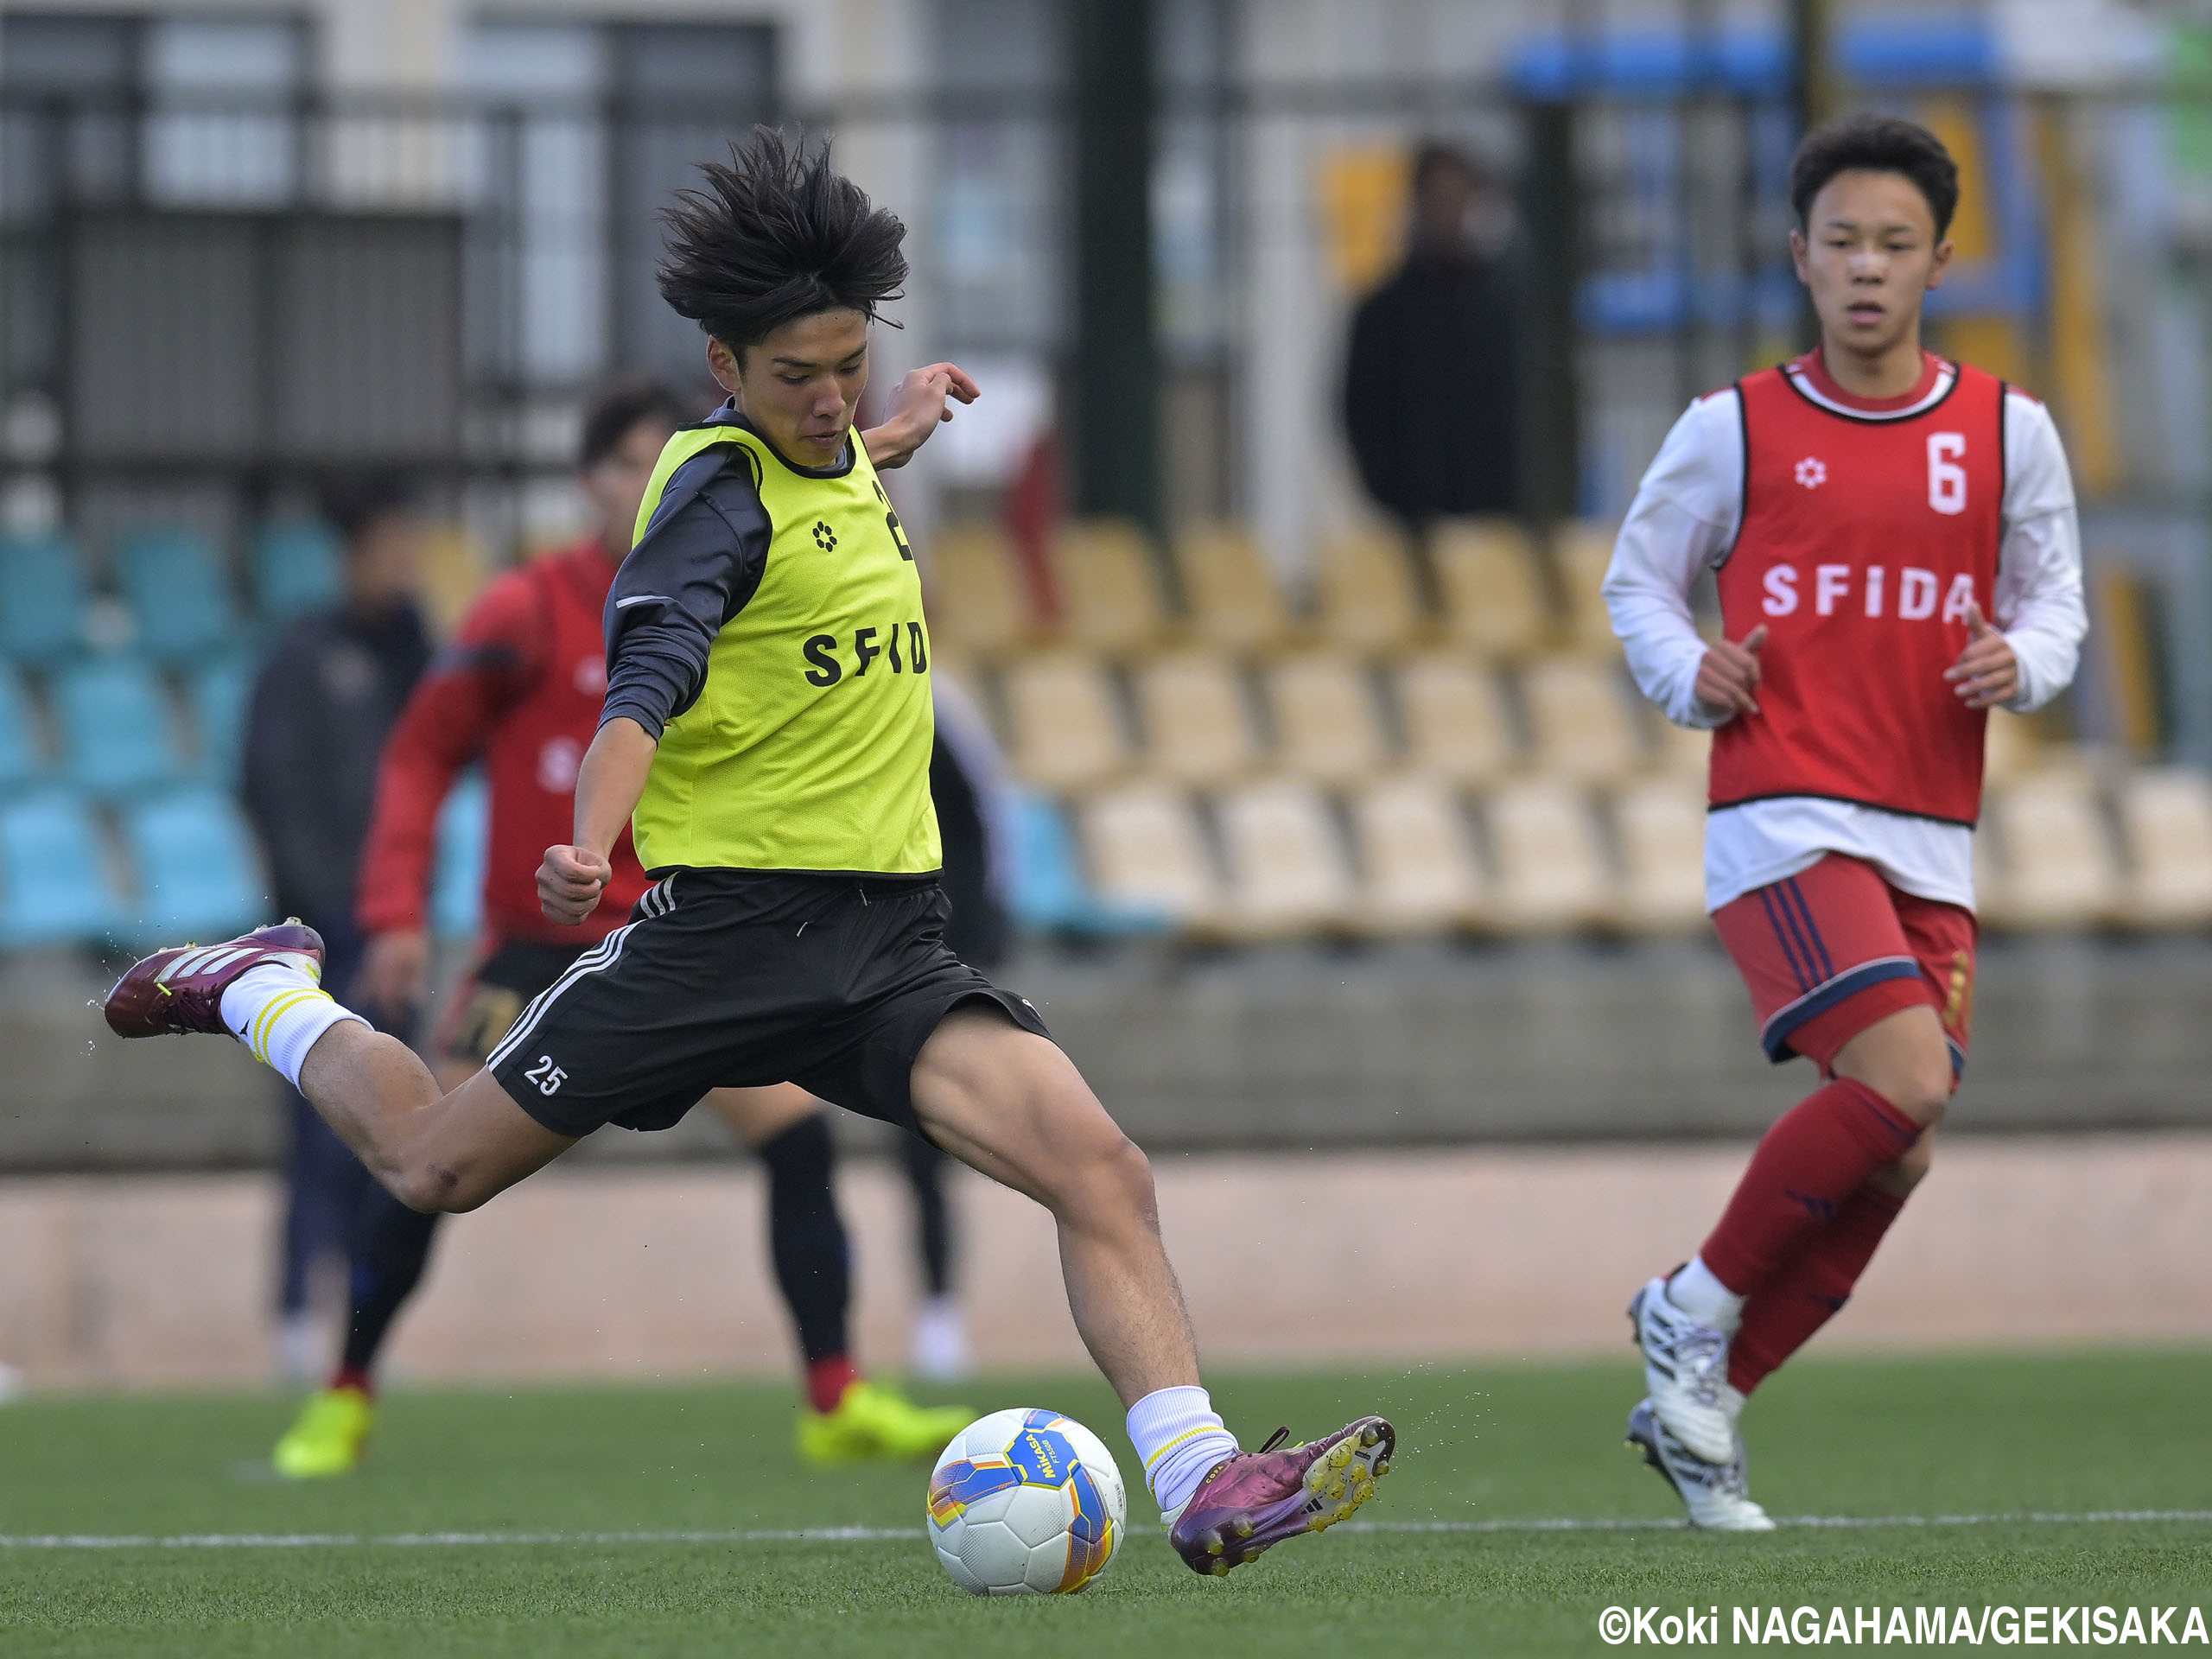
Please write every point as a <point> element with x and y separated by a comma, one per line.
<point>1683,522</point>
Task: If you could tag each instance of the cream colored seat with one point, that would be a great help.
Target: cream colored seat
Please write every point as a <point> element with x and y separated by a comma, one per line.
<point>1064,729</point>
<point>1325,722</point>
<point>1454,719</point>
<point>1235,601</point>
<point>2165,819</point>
<point>2010,749</point>
<point>1580,720</point>
<point>1584,550</point>
<point>1286,870</point>
<point>976,605</point>
<point>1685,751</point>
<point>2058,865</point>
<point>1417,865</point>
<point>1369,601</point>
<point>1547,858</point>
<point>1198,724</point>
<point>1108,585</point>
<point>1492,591</point>
<point>1145,850</point>
<point>1660,827</point>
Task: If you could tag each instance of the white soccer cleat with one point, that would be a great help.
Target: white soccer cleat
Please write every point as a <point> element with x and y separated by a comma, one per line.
<point>1717,1495</point>
<point>1686,1373</point>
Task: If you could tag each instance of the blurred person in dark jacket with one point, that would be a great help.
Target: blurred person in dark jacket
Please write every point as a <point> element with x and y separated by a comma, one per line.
<point>321,708</point>
<point>1431,394</point>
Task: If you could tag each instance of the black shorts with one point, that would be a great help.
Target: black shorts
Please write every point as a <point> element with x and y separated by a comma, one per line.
<point>741,978</point>
<point>488,1003</point>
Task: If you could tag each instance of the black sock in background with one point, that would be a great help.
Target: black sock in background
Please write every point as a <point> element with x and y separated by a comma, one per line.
<point>805,1237</point>
<point>391,1243</point>
<point>932,1216</point>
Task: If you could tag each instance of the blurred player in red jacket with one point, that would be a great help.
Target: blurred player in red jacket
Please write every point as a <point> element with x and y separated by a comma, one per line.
<point>520,687</point>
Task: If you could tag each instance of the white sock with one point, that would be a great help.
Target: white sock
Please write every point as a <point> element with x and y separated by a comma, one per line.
<point>278,1011</point>
<point>1698,1294</point>
<point>1179,1437</point>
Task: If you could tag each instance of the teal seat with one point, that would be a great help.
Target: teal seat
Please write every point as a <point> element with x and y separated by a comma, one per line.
<point>175,586</point>
<point>219,690</point>
<point>464,838</point>
<point>1049,894</point>
<point>41,600</point>
<point>117,736</point>
<point>54,887</point>
<point>297,569</point>
<point>20,760</point>
<point>199,872</point>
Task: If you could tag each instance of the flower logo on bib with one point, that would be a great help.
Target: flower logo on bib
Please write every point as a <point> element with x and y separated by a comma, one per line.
<point>1812,472</point>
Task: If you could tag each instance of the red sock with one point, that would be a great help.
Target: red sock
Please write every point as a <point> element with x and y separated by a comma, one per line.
<point>1817,1156</point>
<point>826,1379</point>
<point>350,1377</point>
<point>1812,1290</point>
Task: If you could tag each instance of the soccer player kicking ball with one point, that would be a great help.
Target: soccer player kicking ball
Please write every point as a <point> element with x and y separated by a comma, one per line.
<point>520,687</point>
<point>767,734</point>
<point>1867,508</point>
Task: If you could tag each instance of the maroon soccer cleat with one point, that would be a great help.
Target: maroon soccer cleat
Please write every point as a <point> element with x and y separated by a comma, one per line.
<point>1259,1498</point>
<point>180,989</point>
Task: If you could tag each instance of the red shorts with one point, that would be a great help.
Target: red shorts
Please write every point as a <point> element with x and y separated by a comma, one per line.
<point>1830,950</point>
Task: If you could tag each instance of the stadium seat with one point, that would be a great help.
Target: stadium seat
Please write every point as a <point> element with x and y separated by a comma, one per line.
<point>2010,749</point>
<point>41,600</point>
<point>976,605</point>
<point>1235,601</point>
<point>1581,718</point>
<point>116,735</point>
<point>1049,894</point>
<point>1684,750</point>
<point>219,690</point>
<point>1660,825</point>
<point>1493,592</point>
<point>1286,869</point>
<point>1108,585</point>
<point>1369,601</point>
<point>1417,866</point>
<point>175,589</point>
<point>1146,853</point>
<point>1546,857</point>
<point>297,569</point>
<point>1584,551</point>
<point>1326,724</point>
<point>21,761</point>
<point>1198,727</point>
<point>1453,718</point>
<point>2056,858</point>
<point>1063,727</point>
<point>54,886</point>
<point>2165,821</point>
<point>200,874</point>
<point>198,868</point>
<point>457,882</point>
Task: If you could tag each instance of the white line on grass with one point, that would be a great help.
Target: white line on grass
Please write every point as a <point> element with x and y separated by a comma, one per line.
<point>906,1534</point>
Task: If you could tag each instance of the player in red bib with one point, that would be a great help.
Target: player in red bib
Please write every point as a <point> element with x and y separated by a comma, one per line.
<point>1894,541</point>
<point>520,687</point>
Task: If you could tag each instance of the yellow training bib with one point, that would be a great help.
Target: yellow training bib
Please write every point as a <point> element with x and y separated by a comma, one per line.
<point>809,748</point>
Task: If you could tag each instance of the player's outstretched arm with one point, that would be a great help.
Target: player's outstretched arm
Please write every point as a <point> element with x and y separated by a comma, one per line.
<point>609,783</point>
<point>920,403</point>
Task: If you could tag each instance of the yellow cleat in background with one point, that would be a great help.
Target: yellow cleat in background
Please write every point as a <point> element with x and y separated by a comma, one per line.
<point>329,1436</point>
<point>873,1423</point>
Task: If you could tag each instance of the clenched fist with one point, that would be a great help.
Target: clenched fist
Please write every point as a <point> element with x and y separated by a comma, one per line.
<point>569,883</point>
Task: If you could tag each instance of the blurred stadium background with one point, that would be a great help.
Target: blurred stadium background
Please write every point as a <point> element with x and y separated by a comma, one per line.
<point>1328,842</point>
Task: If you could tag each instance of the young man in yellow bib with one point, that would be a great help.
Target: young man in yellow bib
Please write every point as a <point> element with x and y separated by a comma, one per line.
<point>766,734</point>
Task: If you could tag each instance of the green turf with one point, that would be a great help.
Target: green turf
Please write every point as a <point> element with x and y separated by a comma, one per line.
<point>1992,1436</point>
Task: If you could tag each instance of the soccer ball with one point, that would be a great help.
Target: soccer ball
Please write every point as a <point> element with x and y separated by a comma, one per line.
<point>1026,1503</point>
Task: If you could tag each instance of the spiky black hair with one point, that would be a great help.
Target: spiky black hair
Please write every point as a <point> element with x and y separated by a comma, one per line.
<point>773,237</point>
<point>1878,143</point>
